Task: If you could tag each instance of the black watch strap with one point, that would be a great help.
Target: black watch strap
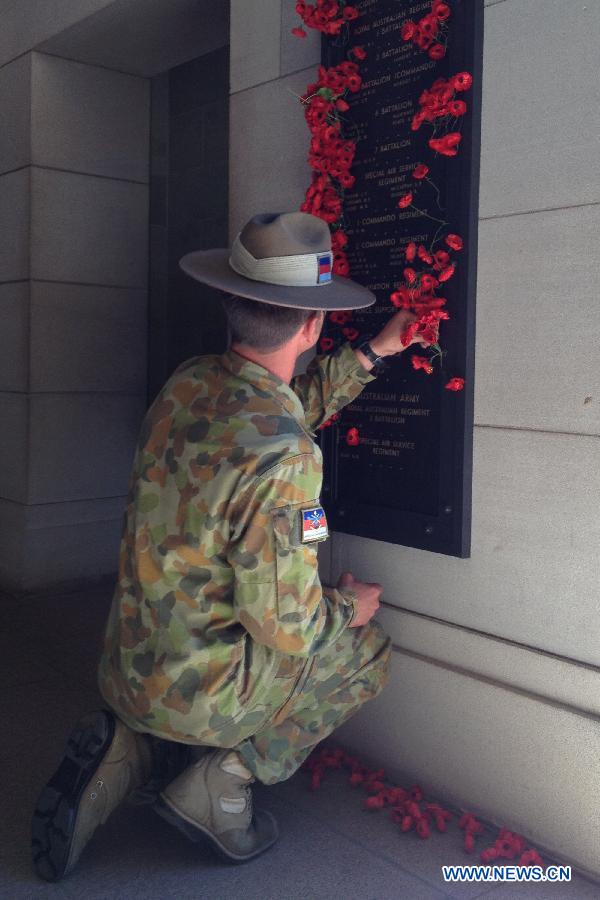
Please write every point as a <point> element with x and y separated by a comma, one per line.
<point>368,351</point>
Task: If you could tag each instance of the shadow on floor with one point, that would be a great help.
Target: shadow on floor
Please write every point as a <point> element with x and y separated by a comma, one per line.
<point>329,847</point>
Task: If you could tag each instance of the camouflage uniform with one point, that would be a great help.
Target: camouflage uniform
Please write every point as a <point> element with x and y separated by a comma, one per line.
<point>220,632</point>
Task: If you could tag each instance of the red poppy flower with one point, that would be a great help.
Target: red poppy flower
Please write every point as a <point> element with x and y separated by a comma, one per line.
<point>462,81</point>
<point>405,201</point>
<point>423,41</point>
<point>454,241</point>
<point>416,792</point>
<point>411,251</point>
<point>409,333</point>
<point>457,107</point>
<point>428,303</point>
<point>422,828</point>
<point>422,362</point>
<point>350,333</point>
<point>341,266</point>
<point>408,31</point>
<point>352,437</point>
<point>531,858</point>
<point>516,841</point>
<point>440,823</point>
<point>401,298</point>
<point>354,82</point>
<point>424,254</point>
<point>410,275</point>
<point>406,824</point>
<point>299,32</point>
<point>505,848</point>
<point>447,273</point>
<point>342,105</point>
<point>326,344</point>
<point>375,802</point>
<point>339,239</point>
<point>428,25</point>
<point>328,422</point>
<point>340,316</point>
<point>420,171</point>
<point>350,13</point>
<point>428,282</point>
<point>417,121</point>
<point>455,384</point>
<point>436,51</point>
<point>348,67</point>
<point>359,53</point>
<point>469,843</point>
<point>441,257</point>
<point>447,145</point>
<point>441,11</point>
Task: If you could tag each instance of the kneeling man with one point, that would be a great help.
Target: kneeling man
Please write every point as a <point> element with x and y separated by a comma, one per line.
<point>225,659</point>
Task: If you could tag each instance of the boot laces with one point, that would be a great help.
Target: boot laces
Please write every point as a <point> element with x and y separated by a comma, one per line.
<point>249,800</point>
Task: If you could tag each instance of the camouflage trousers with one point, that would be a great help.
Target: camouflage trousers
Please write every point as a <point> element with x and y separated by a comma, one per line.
<point>313,697</point>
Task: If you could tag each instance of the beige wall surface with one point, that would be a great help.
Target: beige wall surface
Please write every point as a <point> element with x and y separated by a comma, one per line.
<point>73,298</point>
<point>504,646</point>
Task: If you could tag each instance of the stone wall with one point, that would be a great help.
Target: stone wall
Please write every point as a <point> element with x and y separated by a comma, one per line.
<point>75,94</point>
<point>74,201</point>
<point>493,702</point>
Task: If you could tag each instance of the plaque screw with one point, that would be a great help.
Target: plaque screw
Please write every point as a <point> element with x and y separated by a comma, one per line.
<point>429,529</point>
<point>447,510</point>
<point>341,512</point>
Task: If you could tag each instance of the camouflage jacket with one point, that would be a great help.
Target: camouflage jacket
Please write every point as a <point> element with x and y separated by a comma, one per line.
<point>216,589</point>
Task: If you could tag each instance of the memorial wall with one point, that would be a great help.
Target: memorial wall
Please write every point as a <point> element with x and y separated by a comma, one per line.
<point>398,460</point>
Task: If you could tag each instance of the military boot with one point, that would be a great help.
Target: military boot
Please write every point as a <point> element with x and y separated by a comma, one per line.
<point>212,800</point>
<point>104,762</point>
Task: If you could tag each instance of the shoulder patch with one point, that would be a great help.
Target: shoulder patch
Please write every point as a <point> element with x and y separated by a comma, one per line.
<point>313,524</point>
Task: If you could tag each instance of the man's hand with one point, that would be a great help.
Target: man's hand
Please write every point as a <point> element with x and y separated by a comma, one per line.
<point>368,594</point>
<point>388,342</point>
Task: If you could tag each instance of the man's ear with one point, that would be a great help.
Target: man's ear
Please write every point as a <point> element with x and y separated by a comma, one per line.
<point>313,325</point>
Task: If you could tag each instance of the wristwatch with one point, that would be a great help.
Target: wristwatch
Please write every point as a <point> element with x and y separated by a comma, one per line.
<point>378,361</point>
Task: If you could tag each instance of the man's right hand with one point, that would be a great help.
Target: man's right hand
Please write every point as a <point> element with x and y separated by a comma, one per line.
<point>368,594</point>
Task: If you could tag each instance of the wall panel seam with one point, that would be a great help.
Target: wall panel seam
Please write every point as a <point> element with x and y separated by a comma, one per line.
<point>107,393</point>
<point>502,685</point>
<point>94,284</point>
<point>251,87</point>
<point>78,524</point>
<point>18,168</point>
<point>538,651</point>
<point>15,58</point>
<point>91,65</point>
<point>537,430</point>
<point>90,174</point>
<point>122,497</point>
<point>541,209</point>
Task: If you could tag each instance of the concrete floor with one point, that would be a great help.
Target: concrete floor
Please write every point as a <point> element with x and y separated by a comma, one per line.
<point>329,847</point>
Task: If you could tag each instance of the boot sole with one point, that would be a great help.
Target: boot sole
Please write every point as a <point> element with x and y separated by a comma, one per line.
<point>55,815</point>
<point>200,835</point>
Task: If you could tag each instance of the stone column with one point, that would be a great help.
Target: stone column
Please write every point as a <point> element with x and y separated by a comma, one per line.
<point>73,300</point>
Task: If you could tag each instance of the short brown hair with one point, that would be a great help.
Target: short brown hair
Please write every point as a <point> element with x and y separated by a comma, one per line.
<point>262,326</point>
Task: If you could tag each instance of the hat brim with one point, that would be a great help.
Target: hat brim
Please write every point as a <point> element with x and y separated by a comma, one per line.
<point>212,267</point>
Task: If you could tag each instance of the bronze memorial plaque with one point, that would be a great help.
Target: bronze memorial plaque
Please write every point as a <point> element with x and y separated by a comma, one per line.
<point>406,479</point>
